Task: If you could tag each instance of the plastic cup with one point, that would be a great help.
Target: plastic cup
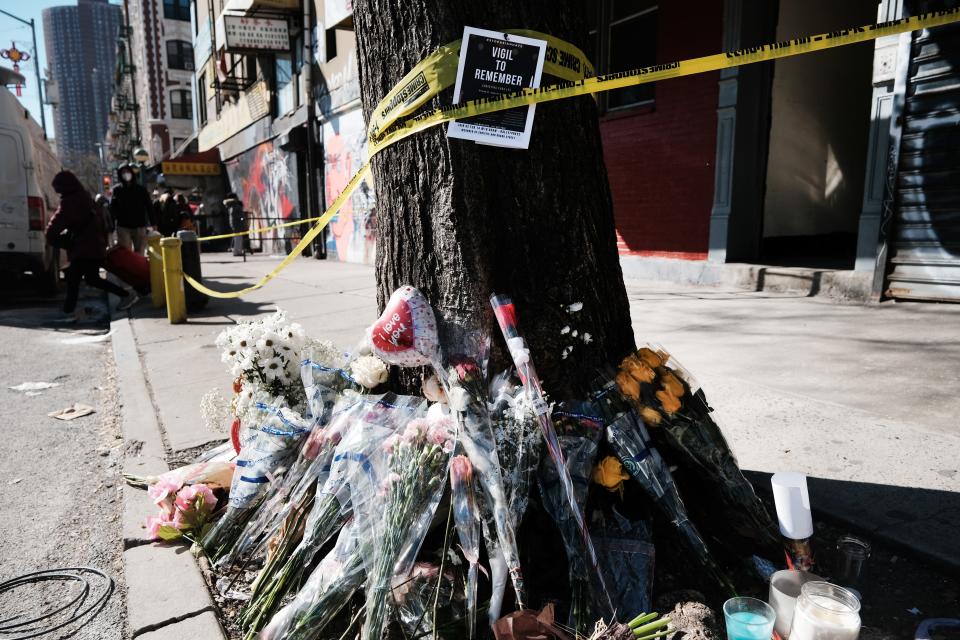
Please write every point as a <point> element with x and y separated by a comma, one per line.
<point>748,619</point>
<point>784,590</point>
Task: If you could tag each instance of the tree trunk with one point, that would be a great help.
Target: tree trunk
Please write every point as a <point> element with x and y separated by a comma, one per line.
<point>461,220</point>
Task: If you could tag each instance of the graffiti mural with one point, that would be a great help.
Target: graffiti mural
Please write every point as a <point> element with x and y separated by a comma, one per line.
<point>265,179</point>
<point>353,231</point>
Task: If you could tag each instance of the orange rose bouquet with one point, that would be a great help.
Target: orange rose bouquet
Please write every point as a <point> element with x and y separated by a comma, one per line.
<point>674,408</point>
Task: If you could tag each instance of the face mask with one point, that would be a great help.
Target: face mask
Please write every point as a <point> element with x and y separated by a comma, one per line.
<point>127,177</point>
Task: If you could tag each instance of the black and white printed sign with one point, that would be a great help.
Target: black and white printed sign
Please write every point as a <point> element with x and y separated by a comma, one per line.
<point>492,64</point>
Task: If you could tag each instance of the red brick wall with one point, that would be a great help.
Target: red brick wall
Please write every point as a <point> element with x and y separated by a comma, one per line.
<point>660,158</point>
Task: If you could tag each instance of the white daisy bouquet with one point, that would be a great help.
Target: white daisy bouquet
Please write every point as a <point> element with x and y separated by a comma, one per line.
<point>266,354</point>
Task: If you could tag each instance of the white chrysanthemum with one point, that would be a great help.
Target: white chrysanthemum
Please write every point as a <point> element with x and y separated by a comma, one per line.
<point>369,371</point>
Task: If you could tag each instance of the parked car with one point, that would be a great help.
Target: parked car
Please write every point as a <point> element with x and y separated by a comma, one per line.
<point>27,199</point>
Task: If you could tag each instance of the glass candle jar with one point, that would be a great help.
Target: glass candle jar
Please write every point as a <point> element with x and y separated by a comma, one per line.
<point>825,611</point>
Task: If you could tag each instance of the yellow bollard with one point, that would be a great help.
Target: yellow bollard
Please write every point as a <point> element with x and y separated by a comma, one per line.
<point>157,293</point>
<point>173,280</point>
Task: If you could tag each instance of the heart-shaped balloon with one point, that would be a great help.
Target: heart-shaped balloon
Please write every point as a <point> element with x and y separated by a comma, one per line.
<point>406,332</point>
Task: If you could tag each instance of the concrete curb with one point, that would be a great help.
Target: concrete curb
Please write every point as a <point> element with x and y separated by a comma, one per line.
<point>166,593</point>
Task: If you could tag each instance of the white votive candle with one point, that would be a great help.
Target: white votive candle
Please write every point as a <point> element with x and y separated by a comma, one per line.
<point>825,612</point>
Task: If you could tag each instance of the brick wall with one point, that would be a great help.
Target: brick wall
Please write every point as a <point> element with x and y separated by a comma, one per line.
<point>660,158</point>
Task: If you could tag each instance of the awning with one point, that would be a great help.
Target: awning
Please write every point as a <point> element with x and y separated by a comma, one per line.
<point>202,163</point>
<point>246,6</point>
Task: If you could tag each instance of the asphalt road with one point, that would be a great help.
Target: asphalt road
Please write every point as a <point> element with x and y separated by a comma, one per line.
<point>59,481</point>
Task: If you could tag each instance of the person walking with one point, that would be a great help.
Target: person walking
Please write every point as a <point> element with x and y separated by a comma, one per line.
<point>130,209</point>
<point>168,214</point>
<point>103,208</point>
<point>78,228</point>
<point>238,222</point>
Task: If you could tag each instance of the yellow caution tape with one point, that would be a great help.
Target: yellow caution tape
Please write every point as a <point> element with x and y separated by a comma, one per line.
<point>653,73</point>
<point>438,71</point>
<point>248,232</point>
<point>401,129</point>
<point>303,244</point>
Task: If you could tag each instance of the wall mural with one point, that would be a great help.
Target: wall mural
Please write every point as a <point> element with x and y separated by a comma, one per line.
<point>352,235</point>
<point>265,179</point>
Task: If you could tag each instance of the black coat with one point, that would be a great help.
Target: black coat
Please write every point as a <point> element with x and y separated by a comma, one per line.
<point>78,213</point>
<point>131,206</point>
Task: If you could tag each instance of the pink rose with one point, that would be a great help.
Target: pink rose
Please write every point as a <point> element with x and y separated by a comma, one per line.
<point>162,489</point>
<point>188,495</point>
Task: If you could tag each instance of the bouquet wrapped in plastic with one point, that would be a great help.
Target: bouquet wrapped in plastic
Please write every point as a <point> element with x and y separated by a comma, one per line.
<point>519,441</point>
<point>364,422</point>
<point>291,496</point>
<point>467,520</point>
<point>398,512</point>
<point>330,587</point>
<point>269,445</point>
<point>578,432</point>
<point>674,407</point>
<point>507,319</point>
<point>467,392</point>
<point>630,441</point>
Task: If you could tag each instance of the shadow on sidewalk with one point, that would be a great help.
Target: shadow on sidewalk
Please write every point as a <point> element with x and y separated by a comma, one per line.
<point>920,522</point>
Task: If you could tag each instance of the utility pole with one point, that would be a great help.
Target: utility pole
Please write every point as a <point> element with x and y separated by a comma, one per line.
<point>36,66</point>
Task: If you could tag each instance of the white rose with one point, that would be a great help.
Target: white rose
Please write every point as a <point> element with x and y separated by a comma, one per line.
<point>369,371</point>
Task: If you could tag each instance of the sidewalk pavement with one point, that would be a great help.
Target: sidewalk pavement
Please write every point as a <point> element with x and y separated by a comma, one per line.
<point>861,398</point>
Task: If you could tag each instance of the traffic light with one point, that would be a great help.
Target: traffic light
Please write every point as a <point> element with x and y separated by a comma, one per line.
<point>106,182</point>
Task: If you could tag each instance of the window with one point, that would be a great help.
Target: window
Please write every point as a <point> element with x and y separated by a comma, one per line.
<point>181,104</point>
<point>623,36</point>
<point>285,85</point>
<point>202,98</point>
<point>179,55</point>
<point>331,45</point>
<point>176,9</point>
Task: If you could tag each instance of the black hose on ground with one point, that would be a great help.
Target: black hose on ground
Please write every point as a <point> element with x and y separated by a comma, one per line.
<point>58,618</point>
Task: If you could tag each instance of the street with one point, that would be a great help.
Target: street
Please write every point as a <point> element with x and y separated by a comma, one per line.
<point>60,479</point>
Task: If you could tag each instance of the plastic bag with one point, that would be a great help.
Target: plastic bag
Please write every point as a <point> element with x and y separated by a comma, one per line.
<point>365,422</point>
<point>329,588</point>
<point>409,472</point>
<point>578,432</point>
<point>272,440</point>
<point>467,521</point>
<point>626,553</point>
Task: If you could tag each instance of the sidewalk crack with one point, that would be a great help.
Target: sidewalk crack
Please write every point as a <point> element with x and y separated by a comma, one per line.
<point>165,623</point>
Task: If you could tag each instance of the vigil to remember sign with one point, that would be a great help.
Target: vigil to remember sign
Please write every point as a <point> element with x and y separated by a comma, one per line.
<point>492,64</point>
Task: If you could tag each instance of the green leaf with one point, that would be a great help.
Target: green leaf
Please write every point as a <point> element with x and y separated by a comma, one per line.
<point>168,533</point>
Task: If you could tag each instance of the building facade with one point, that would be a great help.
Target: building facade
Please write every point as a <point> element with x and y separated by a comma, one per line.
<point>80,54</point>
<point>161,46</point>
<point>838,168</point>
<point>252,86</point>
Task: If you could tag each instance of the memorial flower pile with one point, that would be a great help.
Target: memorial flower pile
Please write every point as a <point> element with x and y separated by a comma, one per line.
<point>333,498</point>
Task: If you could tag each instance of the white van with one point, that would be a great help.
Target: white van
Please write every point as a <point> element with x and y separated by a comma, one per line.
<point>27,199</point>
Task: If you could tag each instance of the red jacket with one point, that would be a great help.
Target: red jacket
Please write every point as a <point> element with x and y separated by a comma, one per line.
<point>79,213</point>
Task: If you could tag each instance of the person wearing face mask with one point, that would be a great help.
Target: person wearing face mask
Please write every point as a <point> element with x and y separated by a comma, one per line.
<point>131,209</point>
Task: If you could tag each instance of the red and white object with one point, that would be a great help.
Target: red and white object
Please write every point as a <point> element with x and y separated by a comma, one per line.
<point>406,333</point>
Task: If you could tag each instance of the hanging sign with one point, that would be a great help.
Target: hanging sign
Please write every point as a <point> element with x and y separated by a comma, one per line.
<point>241,33</point>
<point>493,63</point>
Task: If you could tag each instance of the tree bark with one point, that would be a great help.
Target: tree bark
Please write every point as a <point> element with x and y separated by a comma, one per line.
<point>461,220</point>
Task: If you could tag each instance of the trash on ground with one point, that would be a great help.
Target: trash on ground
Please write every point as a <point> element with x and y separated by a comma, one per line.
<point>77,410</point>
<point>88,339</point>
<point>34,386</point>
